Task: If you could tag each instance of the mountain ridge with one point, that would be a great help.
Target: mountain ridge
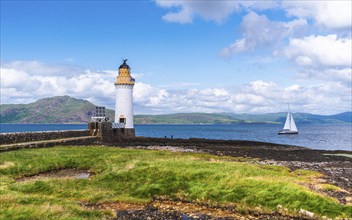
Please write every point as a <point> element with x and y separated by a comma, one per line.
<point>58,109</point>
<point>66,109</point>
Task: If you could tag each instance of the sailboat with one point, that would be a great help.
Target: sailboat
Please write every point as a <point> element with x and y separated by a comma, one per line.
<point>290,125</point>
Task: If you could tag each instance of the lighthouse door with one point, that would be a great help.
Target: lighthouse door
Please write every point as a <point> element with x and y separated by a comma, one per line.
<point>122,120</point>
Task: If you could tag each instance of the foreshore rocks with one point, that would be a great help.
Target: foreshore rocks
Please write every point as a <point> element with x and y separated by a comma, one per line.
<point>174,209</point>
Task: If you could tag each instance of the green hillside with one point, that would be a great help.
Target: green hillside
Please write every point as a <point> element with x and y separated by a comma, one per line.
<point>230,118</point>
<point>65,109</point>
<point>187,118</point>
<point>300,118</point>
<point>59,109</point>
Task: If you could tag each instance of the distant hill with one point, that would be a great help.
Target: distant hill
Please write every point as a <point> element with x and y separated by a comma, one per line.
<point>187,118</point>
<point>300,118</point>
<point>230,118</point>
<point>65,109</point>
<point>59,109</point>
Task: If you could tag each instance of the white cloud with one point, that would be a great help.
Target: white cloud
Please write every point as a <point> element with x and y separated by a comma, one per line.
<point>329,14</point>
<point>254,97</point>
<point>21,84</point>
<point>18,86</point>
<point>183,16</point>
<point>333,74</point>
<point>208,10</point>
<point>320,50</point>
<point>39,68</point>
<point>258,31</point>
<point>321,57</point>
<point>216,11</point>
<point>326,55</point>
<point>15,79</point>
<point>180,85</point>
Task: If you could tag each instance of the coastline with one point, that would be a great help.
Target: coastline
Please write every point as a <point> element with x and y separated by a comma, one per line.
<point>317,137</point>
<point>335,168</point>
<point>335,164</point>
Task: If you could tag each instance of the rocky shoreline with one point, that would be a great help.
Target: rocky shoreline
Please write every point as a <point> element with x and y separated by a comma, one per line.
<point>173,209</point>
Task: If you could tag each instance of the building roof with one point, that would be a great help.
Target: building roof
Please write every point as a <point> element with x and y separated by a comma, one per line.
<point>124,65</point>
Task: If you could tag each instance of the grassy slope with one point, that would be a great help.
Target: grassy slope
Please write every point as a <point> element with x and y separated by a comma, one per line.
<point>138,175</point>
<point>59,109</point>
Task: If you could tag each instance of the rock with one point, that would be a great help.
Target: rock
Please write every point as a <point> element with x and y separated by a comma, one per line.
<point>305,213</point>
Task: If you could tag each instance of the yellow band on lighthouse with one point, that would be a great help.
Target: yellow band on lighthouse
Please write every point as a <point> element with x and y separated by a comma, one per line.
<point>124,77</point>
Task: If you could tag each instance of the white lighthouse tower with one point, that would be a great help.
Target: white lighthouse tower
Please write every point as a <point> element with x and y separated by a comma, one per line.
<point>124,98</point>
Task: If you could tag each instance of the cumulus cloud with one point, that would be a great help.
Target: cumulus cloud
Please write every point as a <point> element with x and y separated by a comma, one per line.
<point>187,10</point>
<point>322,57</point>
<point>21,84</point>
<point>254,97</point>
<point>258,31</point>
<point>216,11</point>
<point>39,68</point>
<point>329,14</point>
<point>318,56</point>
<point>18,86</point>
<point>320,50</point>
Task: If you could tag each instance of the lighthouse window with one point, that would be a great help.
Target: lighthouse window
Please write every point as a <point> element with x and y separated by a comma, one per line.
<point>123,120</point>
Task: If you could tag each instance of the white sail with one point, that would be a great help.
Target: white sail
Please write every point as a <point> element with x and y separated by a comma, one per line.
<point>293,126</point>
<point>290,125</point>
<point>287,125</point>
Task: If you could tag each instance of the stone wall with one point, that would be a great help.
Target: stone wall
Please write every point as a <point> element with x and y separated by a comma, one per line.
<point>77,141</point>
<point>107,134</point>
<point>103,132</point>
<point>20,137</point>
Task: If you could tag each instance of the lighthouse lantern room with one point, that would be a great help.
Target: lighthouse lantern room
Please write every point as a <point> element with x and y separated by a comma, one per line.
<point>124,97</point>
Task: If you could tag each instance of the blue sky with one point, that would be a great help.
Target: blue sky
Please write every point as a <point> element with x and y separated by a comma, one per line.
<point>187,56</point>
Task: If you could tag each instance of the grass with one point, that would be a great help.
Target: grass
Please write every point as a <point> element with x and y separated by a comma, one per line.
<point>341,155</point>
<point>329,187</point>
<point>136,176</point>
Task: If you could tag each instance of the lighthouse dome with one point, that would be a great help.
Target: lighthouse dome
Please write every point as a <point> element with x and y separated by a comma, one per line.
<point>124,65</point>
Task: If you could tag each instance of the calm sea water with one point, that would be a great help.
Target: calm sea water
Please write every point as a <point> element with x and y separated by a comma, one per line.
<point>328,137</point>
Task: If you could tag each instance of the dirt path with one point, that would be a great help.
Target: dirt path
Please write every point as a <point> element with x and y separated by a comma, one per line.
<point>161,208</point>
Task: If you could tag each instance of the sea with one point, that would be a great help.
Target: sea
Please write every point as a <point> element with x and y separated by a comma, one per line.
<point>324,137</point>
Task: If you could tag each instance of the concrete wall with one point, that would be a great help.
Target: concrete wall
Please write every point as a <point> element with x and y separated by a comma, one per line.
<point>20,137</point>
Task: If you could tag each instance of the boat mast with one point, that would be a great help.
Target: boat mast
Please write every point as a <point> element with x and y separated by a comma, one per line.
<point>289,114</point>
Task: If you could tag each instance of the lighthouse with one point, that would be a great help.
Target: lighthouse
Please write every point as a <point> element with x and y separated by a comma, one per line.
<point>124,98</point>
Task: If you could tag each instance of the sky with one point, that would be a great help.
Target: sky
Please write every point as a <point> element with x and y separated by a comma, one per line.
<point>186,55</point>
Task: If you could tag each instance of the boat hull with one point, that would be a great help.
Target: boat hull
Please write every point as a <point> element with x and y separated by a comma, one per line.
<point>287,132</point>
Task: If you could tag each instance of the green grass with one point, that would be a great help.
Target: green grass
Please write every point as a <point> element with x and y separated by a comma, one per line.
<point>137,176</point>
<point>329,187</point>
<point>341,155</point>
